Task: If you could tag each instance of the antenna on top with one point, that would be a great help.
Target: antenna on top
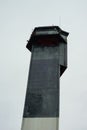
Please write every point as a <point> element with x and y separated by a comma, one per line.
<point>59,21</point>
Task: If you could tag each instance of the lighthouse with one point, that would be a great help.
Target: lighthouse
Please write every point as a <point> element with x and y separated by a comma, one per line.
<point>48,47</point>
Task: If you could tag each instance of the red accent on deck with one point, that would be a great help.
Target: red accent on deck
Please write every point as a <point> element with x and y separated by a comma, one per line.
<point>47,41</point>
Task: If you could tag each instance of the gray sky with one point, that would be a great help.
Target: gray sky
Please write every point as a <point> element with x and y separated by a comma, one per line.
<point>17,19</point>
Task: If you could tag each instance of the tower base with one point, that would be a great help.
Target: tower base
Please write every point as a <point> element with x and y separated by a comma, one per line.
<point>40,124</point>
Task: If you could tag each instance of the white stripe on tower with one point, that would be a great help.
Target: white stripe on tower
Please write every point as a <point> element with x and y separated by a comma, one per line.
<point>40,124</point>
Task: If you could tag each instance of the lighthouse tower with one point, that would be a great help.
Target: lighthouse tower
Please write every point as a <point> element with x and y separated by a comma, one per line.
<point>48,46</point>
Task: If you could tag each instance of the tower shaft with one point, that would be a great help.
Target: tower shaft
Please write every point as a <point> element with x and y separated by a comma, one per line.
<point>42,97</point>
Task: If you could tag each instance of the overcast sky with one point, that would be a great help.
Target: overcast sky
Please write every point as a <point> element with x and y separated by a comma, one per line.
<point>17,20</point>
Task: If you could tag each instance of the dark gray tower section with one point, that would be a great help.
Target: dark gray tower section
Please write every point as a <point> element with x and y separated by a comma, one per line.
<point>48,62</point>
<point>43,84</point>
